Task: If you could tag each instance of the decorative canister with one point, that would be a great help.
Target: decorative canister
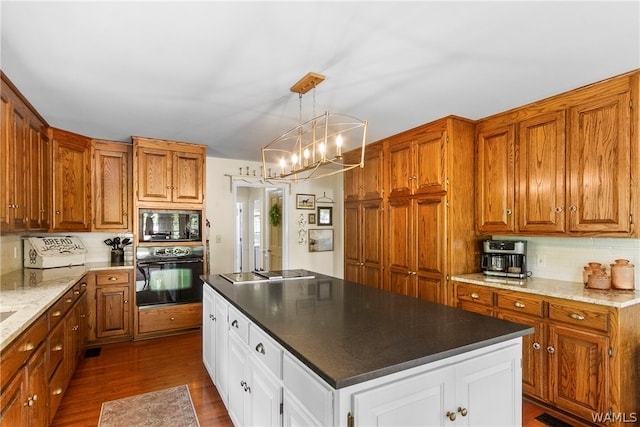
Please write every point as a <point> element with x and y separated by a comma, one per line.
<point>586,272</point>
<point>599,280</point>
<point>622,274</point>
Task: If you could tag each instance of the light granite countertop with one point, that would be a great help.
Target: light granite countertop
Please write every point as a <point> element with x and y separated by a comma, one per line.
<point>556,288</point>
<point>28,293</point>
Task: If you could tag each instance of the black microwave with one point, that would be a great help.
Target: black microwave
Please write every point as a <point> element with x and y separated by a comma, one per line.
<point>169,225</point>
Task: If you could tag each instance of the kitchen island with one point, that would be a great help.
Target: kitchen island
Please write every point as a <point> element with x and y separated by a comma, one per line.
<point>355,355</point>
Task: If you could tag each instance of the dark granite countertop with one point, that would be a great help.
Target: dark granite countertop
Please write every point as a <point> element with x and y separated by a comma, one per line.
<point>349,333</point>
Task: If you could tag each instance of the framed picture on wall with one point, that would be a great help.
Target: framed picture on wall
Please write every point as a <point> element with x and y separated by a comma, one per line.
<point>312,218</point>
<point>305,201</point>
<point>320,240</point>
<point>325,216</point>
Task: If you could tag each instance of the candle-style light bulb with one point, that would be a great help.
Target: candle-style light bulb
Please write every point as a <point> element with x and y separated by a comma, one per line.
<point>321,149</point>
<point>294,160</point>
<point>339,145</point>
<point>306,156</point>
<point>283,163</point>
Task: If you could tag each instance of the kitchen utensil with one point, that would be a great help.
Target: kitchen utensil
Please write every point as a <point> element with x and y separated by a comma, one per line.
<point>126,241</point>
<point>116,242</point>
<point>108,242</point>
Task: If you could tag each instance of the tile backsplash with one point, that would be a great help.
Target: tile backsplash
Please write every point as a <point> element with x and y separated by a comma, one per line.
<point>564,258</point>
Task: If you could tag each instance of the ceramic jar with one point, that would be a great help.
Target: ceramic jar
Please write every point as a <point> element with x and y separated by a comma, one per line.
<point>622,274</point>
<point>598,279</point>
<point>590,268</point>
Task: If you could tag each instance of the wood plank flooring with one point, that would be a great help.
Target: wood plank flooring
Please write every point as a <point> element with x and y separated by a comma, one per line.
<point>130,368</point>
<point>135,367</point>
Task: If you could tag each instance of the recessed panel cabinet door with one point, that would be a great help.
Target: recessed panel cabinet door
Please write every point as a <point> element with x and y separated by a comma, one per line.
<point>399,245</point>
<point>541,160</point>
<point>154,175</point>
<point>430,162</point>
<point>371,240</point>
<point>188,177</point>
<point>599,165</point>
<point>112,174</point>
<point>495,195</point>
<point>352,243</point>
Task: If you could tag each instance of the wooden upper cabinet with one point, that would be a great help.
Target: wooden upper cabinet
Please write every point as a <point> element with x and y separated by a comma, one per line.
<point>167,171</point>
<point>599,165</point>
<point>541,164</point>
<point>495,198</point>
<point>401,174</point>
<point>112,184</point>
<point>5,169</point>
<point>366,183</point>
<point>71,181</point>
<point>39,179</point>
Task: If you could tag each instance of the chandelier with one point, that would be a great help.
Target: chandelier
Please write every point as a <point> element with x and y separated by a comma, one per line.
<point>325,145</point>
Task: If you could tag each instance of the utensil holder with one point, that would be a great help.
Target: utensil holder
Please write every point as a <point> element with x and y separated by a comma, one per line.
<point>117,256</point>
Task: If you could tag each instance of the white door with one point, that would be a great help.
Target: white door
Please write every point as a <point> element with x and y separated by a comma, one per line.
<point>209,331</point>
<point>275,233</point>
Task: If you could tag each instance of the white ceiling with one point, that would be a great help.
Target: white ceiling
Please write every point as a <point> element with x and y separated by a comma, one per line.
<point>219,73</point>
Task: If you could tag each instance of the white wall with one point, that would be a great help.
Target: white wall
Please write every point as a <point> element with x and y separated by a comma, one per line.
<point>220,212</point>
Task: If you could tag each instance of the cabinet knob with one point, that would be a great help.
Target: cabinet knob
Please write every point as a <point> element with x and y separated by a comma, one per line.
<point>509,211</point>
<point>551,350</point>
<point>57,391</point>
<point>573,208</point>
<point>536,346</point>
<point>462,411</point>
<point>558,209</point>
<point>172,318</point>
<point>451,415</point>
<point>260,348</point>
<point>57,212</point>
<point>235,324</point>
<point>126,301</point>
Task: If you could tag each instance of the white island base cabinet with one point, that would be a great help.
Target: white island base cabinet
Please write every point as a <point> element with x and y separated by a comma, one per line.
<point>478,388</point>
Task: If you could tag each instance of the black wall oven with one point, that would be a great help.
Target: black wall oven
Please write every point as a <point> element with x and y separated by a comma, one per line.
<point>168,274</point>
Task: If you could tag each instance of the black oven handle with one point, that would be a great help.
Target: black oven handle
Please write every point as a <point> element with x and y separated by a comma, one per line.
<point>186,261</point>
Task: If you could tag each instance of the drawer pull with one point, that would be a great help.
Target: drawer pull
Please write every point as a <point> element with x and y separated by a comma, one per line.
<point>57,347</point>
<point>56,313</point>
<point>76,292</point>
<point>235,324</point>
<point>474,295</point>
<point>57,391</point>
<point>83,285</point>
<point>519,304</point>
<point>260,348</point>
<point>172,318</point>
<point>576,316</point>
<point>113,279</point>
<point>28,346</point>
<point>69,300</point>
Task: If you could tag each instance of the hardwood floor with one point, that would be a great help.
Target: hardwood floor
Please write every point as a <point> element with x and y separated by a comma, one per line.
<point>135,367</point>
<point>130,368</point>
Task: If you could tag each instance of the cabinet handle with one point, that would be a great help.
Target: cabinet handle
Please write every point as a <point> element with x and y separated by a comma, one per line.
<point>519,304</point>
<point>474,295</point>
<point>126,301</point>
<point>76,292</point>
<point>536,346</point>
<point>56,313</point>
<point>69,300</point>
<point>558,209</point>
<point>235,324</point>
<point>57,391</point>
<point>28,346</point>
<point>113,279</point>
<point>172,318</point>
<point>57,347</point>
<point>30,401</point>
<point>57,212</point>
<point>260,348</point>
<point>509,211</point>
<point>83,284</point>
<point>462,411</point>
<point>576,316</point>
<point>75,327</point>
<point>573,208</point>
<point>168,187</point>
<point>551,350</point>
<point>451,415</point>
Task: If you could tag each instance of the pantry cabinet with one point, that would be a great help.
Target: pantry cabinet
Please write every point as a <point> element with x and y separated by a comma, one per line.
<point>561,166</point>
<point>367,182</point>
<point>112,186</point>
<point>168,172</point>
<point>71,181</point>
<point>578,359</point>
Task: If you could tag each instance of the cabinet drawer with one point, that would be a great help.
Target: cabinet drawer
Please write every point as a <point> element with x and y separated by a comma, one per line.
<point>521,304</point>
<point>578,315</point>
<point>73,294</point>
<point>56,390</point>
<point>112,278</point>
<point>56,312</point>
<point>14,356</point>
<point>55,348</point>
<point>182,316</point>
<point>239,324</point>
<point>475,294</point>
<point>266,350</point>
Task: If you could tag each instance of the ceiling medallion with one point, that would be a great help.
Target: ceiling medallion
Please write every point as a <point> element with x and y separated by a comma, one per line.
<point>314,149</point>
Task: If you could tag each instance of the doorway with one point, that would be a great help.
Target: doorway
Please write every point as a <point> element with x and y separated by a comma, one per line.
<point>259,235</point>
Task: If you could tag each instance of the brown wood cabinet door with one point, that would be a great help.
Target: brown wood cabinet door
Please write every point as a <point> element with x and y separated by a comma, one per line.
<point>37,389</point>
<point>399,245</point>
<point>371,239</point>
<point>352,179</point>
<point>46,213</point>
<point>12,409</point>
<point>541,161</point>
<point>495,196</point>
<point>429,247</point>
<point>188,177</point>
<point>578,371</point>
<point>430,158</point>
<point>154,175</point>
<point>112,170</point>
<point>400,168</point>
<point>18,152</point>
<point>373,172</point>
<point>534,353</point>
<point>112,312</point>
<point>72,182</point>
<point>5,177</point>
<point>599,165</point>
<point>352,242</point>
<point>38,180</point>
